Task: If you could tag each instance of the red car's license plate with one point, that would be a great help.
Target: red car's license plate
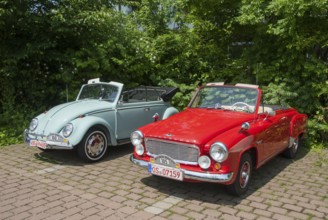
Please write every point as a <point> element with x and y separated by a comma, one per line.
<point>36,143</point>
<point>164,171</point>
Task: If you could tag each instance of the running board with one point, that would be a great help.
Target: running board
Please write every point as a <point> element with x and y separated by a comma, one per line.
<point>123,141</point>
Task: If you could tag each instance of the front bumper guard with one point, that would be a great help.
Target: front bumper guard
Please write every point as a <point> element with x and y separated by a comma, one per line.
<point>192,175</point>
<point>58,145</point>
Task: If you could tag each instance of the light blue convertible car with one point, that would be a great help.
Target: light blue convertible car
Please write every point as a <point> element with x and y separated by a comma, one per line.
<point>103,115</point>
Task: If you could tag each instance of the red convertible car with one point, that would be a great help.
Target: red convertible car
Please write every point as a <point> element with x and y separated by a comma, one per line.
<point>224,133</point>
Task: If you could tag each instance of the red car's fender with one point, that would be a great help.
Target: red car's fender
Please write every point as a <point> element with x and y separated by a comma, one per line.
<point>236,152</point>
<point>238,143</point>
<point>298,125</point>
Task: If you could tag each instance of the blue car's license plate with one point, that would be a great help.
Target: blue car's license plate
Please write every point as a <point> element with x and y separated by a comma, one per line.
<point>40,144</point>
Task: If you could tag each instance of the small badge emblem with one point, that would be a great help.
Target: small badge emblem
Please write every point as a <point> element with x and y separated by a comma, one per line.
<point>169,135</point>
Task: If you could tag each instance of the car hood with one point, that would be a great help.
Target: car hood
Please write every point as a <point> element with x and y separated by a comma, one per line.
<point>196,126</point>
<point>56,118</point>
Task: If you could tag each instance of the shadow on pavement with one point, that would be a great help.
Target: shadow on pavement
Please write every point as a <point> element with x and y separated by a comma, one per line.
<point>216,193</point>
<point>70,157</point>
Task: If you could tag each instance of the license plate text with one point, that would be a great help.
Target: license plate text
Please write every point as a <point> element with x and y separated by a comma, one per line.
<point>168,172</point>
<point>36,143</point>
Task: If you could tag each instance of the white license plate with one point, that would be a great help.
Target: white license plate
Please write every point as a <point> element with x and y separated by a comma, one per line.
<point>36,143</point>
<point>165,171</point>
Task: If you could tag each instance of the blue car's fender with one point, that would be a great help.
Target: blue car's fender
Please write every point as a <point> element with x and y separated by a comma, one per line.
<point>82,125</point>
<point>169,112</point>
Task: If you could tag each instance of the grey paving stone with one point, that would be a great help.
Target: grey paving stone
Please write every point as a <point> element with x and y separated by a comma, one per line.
<point>57,185</point>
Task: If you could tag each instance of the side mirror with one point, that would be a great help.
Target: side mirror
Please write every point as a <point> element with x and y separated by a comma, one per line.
<point>269,113</point>
<point>244,127</point>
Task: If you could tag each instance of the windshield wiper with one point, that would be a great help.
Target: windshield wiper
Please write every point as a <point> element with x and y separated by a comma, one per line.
<point>215,108</point>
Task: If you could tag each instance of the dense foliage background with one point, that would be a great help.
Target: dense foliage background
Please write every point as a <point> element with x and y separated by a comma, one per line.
<point>48,48</point>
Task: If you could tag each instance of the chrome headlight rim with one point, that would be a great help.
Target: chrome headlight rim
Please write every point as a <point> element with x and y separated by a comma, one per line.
<point>68,130</point>
<point>219,152</point>
<point>204,162</point>
<point>33,124</point>
<point>136,138</point>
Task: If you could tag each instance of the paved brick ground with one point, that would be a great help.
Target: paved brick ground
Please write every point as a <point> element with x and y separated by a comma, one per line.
<point>57,185</point>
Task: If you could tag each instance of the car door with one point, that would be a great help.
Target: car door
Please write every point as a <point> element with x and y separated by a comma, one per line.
<point>274,136</point>
<point>131,116</point>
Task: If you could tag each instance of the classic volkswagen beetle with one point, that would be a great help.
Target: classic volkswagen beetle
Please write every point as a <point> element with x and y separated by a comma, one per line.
<point>102,115</point>
<point>222,135</point>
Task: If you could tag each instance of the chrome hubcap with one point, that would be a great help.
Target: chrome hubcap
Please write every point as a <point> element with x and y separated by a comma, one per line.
<point>95,145</point>
<point>295,145</point>
<point>244,174</point>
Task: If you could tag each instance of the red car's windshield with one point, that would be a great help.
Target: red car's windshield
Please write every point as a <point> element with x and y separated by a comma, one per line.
<point>226,97</point>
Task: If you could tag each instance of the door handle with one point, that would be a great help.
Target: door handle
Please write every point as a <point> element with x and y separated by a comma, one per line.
<point>146,109</point>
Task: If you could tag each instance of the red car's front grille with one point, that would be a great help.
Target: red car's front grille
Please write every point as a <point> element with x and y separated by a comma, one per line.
<point>180,152</point>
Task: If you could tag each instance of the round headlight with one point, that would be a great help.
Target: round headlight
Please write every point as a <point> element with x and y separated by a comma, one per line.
<point>33,124</point>
<point>219,152</point>
<point>139,149</point>
<point>204,162</point>
<point>136,138</point>
<point>67,130</point>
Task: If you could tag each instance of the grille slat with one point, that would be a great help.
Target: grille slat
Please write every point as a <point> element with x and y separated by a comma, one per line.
<point>183,153</point>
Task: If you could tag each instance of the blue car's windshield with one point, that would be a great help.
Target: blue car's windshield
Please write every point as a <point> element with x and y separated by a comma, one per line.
<point>98,91</point>
<point>226,97</point>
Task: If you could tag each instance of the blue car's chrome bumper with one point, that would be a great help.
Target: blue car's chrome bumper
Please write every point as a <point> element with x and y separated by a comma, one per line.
<point>192,175</point>
<point>52,141</point>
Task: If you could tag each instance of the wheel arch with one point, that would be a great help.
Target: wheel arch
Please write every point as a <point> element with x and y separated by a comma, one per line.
<point>298,126</point>
<point>104,129</point>
<point>236,152</point>
<point>253,153</point>
<point>82,126</point>
<point>235,186</point>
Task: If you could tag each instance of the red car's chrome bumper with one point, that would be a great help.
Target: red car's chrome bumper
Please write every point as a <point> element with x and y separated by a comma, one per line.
<point>192,175</point>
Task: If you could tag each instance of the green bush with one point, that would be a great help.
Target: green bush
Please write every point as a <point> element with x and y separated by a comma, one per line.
<point>13,123</point>
<point>318,131</point>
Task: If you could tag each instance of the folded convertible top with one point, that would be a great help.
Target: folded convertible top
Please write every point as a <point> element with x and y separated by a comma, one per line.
<point>149,92</point>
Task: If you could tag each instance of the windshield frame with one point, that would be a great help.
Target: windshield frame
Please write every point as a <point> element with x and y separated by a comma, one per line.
<point>103,92</point>
<point>224,106</point>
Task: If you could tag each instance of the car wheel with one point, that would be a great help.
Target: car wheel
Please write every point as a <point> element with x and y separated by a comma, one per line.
<point>93,145</point>
<point>240,186</point>
<point>291,152</point>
